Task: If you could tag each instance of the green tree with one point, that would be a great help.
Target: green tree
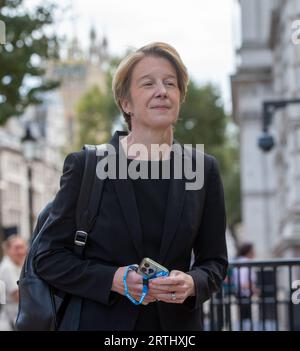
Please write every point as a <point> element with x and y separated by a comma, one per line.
<point>113,111</point>
<point>202,118</point>
<point>203,121</point>
<point>97,112</point>
<point>95,117</point>
<point>22,57</point>
<point>231,180</point>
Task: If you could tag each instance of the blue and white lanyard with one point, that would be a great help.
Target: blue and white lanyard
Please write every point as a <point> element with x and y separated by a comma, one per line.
<point>145,284</point>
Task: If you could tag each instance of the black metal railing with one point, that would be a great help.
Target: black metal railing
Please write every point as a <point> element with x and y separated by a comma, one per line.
<point>257,295</point>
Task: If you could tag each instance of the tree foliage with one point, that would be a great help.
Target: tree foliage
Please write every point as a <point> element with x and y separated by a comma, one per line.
<point>203,121</point>
<point>23,55</point>
<point>97,112</point>
<point>94,117</point>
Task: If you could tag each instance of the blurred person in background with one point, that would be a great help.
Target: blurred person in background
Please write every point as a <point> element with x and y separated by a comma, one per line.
<point>15,250</point>
<point>245,282</point>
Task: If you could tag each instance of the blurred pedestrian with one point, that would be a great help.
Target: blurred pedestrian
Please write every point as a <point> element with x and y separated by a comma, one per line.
<point>245,282</point>
<point>15,249</point>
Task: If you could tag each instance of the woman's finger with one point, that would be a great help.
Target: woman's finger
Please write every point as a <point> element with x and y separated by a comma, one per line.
<point>171,298</point>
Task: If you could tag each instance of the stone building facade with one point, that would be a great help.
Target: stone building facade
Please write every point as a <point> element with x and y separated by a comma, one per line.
<point>269,69</point>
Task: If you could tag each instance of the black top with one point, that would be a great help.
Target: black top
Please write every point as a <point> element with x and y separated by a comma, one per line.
<point>151,198</point>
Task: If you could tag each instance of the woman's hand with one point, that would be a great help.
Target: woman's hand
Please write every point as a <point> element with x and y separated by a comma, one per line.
<point>134,283</point>
<point>173,289</point>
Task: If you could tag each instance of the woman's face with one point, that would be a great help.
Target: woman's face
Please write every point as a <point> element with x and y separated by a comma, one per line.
<point>154,94</point>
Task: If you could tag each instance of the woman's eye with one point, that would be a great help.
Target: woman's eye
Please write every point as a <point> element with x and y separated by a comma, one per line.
<point>148,84</point>
<point>170,84</point>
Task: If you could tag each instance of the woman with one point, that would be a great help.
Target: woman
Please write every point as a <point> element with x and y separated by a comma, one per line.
<point>155,218</point>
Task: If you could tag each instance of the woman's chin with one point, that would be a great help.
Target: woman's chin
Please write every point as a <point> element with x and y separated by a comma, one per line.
<point>162,122</point>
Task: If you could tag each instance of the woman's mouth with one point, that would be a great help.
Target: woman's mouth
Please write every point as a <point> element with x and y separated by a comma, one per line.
<point>160,107</point>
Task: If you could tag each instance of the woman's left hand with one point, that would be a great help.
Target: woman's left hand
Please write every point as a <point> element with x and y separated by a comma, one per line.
<point>172,289</point>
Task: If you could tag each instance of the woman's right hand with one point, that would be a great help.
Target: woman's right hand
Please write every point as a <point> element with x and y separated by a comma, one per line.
<point>134,283</point>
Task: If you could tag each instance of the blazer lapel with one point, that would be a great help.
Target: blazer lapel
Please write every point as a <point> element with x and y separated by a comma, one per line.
<point>173,213</point>
<point>125,193</point>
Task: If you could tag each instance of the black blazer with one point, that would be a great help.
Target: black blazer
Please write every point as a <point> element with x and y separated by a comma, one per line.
<point>195,221</point>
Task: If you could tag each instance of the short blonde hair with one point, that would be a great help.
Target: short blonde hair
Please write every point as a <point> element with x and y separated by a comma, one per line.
<point>122,78</point>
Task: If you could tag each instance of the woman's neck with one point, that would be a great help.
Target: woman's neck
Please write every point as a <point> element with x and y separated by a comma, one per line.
<point>148,144</point>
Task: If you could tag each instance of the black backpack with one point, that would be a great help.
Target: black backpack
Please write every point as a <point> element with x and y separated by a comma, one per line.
<point>40,305</point>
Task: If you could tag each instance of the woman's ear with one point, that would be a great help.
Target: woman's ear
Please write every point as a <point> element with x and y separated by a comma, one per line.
<point>126,106</point>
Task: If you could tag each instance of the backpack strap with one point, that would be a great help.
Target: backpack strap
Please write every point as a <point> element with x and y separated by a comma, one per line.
<point>89,199</point>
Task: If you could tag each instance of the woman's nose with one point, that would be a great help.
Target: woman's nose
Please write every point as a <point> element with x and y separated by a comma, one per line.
<point>161,90</point>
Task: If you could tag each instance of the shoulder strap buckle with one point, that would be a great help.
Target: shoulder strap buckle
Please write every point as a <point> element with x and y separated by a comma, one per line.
<point>80,238</point>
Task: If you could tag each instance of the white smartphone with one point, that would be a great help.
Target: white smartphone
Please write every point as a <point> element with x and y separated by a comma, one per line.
<point>150,268</point>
